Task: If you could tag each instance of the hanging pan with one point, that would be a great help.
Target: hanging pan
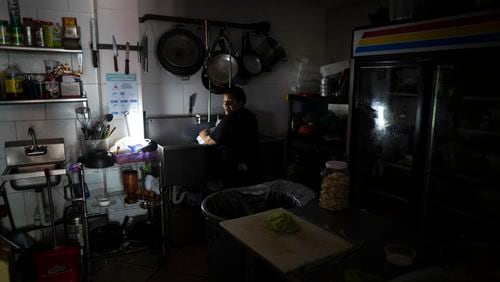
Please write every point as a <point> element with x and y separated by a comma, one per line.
<point>250,64</point>
<point>270,53</point>
<point>180,51</point>
<point>221,65</point>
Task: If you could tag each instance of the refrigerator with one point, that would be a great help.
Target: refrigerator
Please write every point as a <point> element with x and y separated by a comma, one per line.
<point>424,124</point>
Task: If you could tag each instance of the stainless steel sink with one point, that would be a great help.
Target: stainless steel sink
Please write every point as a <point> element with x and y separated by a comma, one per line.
<point>27,160</point>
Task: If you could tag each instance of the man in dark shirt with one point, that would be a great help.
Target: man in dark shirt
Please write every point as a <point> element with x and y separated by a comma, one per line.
<point>236,140</point>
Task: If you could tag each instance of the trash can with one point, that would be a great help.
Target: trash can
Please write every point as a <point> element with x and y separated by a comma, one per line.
<point>226,256</point>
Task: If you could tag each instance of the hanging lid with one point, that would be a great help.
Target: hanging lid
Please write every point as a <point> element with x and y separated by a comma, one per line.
<point>336,164</point>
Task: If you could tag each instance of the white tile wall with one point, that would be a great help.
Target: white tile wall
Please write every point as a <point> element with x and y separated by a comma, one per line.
<point>298,25</point>
<point>127,5</point>
<point>8,133</point>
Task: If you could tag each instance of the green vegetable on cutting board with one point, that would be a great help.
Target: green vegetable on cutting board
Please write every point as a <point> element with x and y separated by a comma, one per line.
<point>281,222</point>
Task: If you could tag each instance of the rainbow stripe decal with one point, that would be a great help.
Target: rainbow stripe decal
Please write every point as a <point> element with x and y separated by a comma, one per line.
<point>478,30</point>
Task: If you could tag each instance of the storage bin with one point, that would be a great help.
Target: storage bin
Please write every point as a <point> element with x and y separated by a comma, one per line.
<point>58,265</point>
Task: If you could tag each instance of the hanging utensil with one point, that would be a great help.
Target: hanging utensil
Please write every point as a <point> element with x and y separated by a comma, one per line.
<point>115,54</point>
<point>127,51</point>
<point>222,67</point>
<point>180,51</point>
<point>83,117</point>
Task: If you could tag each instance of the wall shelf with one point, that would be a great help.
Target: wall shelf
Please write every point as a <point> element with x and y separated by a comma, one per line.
<point>39,49</point>
<point>43,101</point>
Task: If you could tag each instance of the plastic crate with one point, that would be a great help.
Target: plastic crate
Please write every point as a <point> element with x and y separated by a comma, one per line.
<point>62,264</point>
<point>135,157</point>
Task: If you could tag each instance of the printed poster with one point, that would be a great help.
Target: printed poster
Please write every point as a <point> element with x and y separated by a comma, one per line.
<point>122,93</point>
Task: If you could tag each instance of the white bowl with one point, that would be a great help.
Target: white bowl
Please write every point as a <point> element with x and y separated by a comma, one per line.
<point>103,200</point>
<point>399,255</point>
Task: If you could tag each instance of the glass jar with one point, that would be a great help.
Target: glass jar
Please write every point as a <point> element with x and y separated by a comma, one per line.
<point>4,33</point>
<point>17,35</point>
<point>13,83</point>
<point>38,27</point>
<point>334,193</point>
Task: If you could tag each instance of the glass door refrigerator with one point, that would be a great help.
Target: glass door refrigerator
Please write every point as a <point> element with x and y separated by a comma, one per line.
<point>424,123</point>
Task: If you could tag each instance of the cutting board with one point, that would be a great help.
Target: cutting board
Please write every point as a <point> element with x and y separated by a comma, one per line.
<point>287,252</point>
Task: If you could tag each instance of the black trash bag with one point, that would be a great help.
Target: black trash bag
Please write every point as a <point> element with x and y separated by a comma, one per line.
<point>243,201</point>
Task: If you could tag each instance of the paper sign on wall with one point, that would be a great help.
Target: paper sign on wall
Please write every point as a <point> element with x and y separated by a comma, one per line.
<point>122,93</point>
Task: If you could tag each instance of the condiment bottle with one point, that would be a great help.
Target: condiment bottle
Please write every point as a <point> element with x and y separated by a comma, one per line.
<point>39,40</point>
<point>48,30</point>
<point>16,34</point>
<point>29,38</point>
<point>29,86</point>
<point>4,33</point>
<point>334,186</point>
<point>13,83</point>
<point>57,36</point>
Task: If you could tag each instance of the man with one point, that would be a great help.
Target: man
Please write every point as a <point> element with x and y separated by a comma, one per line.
<point>236,140</point>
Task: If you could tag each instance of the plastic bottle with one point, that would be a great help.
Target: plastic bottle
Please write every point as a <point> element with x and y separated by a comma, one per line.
<point>48,30</point>
<point>13,83</point>
<point>14,13</point>
<point>76,185</point>
<point>57,36</point>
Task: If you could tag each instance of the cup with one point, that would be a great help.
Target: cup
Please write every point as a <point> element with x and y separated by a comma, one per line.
<point>50,65</point>
<point>130,185</point>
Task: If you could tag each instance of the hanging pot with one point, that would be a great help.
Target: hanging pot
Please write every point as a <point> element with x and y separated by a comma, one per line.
<point>215,89</point>
<point>180,51</point>
<point>221,65</point>
<point>250,64</point>
<point>270,53</point>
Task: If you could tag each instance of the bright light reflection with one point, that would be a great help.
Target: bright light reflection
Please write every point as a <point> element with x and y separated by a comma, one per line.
<point>380,121</point>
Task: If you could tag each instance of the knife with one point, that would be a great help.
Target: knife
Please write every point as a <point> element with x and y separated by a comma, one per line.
<point>127,50</point>
<point>115,54</point>
<point>95,53</point>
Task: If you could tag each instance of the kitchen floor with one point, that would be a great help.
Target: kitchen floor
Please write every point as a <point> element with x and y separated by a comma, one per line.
<point>187,263</point>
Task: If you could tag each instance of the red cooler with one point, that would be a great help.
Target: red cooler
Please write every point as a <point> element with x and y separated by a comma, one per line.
<point>62,264</point>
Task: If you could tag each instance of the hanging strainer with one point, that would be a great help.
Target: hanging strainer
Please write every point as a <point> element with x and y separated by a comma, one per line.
<point>83,116</point>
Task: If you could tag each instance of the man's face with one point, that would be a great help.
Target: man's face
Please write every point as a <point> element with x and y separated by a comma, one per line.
<point>230,104</point>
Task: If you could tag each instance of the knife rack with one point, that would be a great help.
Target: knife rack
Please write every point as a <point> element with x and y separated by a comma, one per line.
<point>118,46</point>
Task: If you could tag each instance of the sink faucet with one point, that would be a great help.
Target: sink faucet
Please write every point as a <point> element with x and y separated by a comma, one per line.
<point>34,149</point>
<point>31,132</point>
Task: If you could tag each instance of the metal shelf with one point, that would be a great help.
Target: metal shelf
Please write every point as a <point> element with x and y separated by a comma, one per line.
<point>43,101</point>
<point>39,49</point>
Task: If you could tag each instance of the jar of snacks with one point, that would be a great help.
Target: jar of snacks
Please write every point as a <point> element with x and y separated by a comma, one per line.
<point>334,193</point>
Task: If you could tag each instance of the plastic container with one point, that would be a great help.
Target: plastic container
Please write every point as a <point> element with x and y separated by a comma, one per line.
<point>334,186</point>
<point>61,264</point>
<point>50,65</point>
<point>13,83</point>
